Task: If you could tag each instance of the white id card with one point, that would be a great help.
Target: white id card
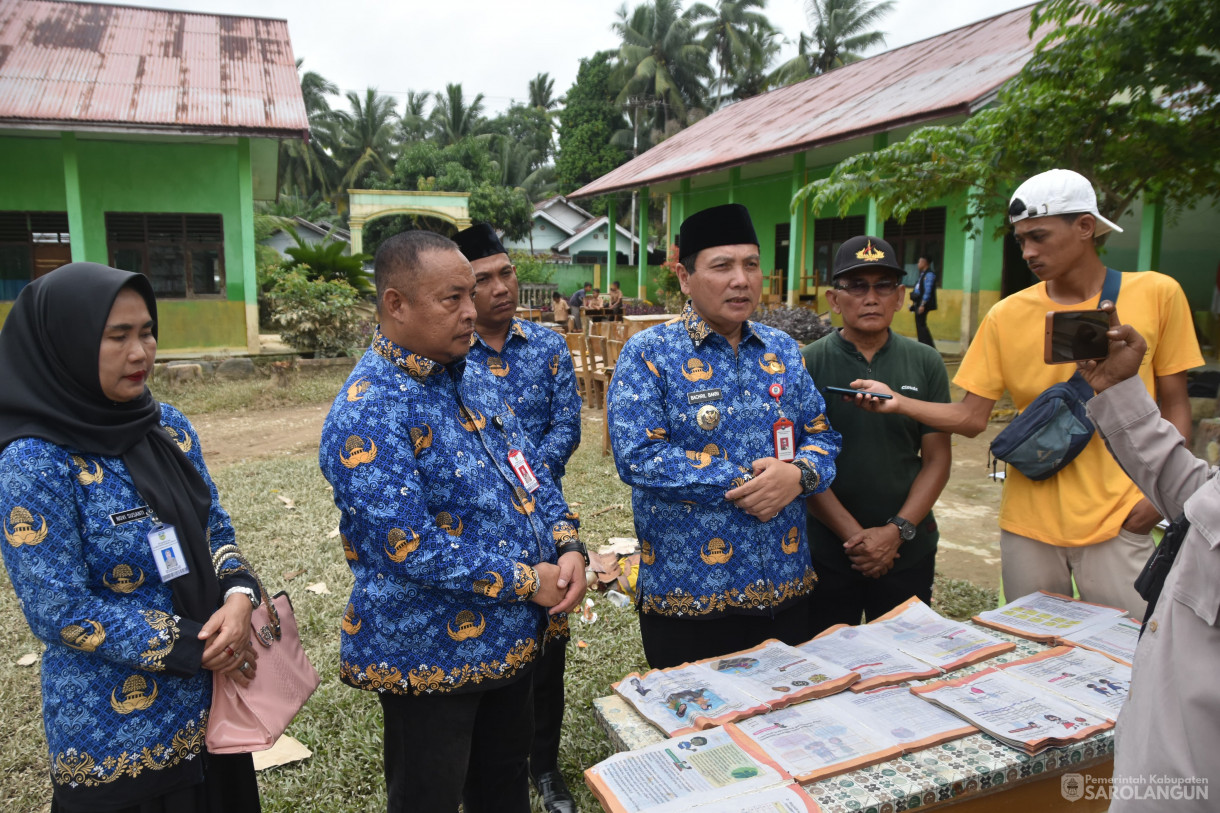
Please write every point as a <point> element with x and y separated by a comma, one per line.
<point>522,469</point>
<point>167,553</point>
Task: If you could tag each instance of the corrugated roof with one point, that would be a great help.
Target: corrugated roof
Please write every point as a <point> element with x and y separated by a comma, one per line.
<point>97,66</point>
<point>950,74</point>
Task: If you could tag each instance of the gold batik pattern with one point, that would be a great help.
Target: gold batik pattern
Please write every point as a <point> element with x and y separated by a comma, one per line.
<point>752,597</point>
<point>74,768</point>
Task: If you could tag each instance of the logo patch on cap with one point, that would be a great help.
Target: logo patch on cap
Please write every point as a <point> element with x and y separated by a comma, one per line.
<point>870,254</point>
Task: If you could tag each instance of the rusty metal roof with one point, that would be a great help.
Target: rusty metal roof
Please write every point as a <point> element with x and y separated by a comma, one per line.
<point>950,74</point>
<point>118,68</point>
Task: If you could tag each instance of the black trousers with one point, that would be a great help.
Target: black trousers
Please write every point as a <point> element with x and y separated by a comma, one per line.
<point>472,749</point>
<point>548,707</point>
<point>842,596</point>
<point>922,333</point>
<point>673,641</point>
<point>229,786</point>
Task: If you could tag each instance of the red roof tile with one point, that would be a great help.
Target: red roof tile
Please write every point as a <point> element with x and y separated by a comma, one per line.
<point>950,74</point>
<point>94,66</point>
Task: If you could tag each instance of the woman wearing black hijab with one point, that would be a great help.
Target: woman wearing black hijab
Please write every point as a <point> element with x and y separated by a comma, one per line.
<point>120,553</point>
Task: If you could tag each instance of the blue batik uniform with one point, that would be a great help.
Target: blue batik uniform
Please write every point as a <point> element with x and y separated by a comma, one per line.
<point>439,533</point>
<point>702,556</point>
<point>125,703</point>
<point>534,368</point>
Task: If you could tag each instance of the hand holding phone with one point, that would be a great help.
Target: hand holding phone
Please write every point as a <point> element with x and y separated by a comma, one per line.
<point>1076,336</point>
<point>853,393</point>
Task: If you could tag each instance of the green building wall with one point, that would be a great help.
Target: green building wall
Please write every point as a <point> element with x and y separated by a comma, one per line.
<point>145,176</point>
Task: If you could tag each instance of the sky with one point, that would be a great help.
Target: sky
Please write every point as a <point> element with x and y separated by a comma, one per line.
<point>495,47</point>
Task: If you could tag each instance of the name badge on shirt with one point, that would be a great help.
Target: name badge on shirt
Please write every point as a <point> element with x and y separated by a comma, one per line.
<point>130,515</point>
<point>785,447</point>
<point>167,553</point>
<point>522,469</point>
<point>703,396</point>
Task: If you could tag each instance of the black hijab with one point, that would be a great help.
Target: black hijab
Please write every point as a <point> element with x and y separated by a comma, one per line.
<point>52,390</point>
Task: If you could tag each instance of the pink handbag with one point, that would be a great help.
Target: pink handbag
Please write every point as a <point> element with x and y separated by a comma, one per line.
<point>253,718</point>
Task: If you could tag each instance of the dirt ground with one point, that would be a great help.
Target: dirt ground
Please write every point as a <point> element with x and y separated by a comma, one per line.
<point>967,510</point>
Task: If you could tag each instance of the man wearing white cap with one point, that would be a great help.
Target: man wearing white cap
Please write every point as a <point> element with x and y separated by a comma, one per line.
<point>1088,522</point>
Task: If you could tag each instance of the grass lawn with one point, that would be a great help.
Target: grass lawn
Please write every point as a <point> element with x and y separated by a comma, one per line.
<point>294,548</point>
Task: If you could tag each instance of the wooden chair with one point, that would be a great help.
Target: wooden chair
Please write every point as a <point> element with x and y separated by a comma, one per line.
<point>613,348</point>
<point>618,332</point>
<point>584,381</point>
<point>596,365</point>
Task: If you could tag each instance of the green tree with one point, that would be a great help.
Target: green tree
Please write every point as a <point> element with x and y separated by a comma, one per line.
<point>751,77</point>
<point>414,126</point>
<point>588,120</point>
<point>316,315</point>
<point>1122,91</point>
<point>842,30</point>
<point>663,62</point>
<point>542,93</point>
<point>731,31</point>
<point>452,118</point>
<point>366,138</point>
<point>529,128</point>
<point>306,168</point>
<point>326,260</point>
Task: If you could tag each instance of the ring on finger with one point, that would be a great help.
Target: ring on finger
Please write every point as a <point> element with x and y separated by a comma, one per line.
<point>229,649</point>
<point>244,666</point>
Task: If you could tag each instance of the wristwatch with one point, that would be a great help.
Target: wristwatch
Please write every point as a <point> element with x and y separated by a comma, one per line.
<point>255,599</point>
<point>809,477</point>
<point>905,529</point>
<point>577,546</point>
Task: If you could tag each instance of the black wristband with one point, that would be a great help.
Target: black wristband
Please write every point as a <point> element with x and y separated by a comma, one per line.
<point>577,546</point>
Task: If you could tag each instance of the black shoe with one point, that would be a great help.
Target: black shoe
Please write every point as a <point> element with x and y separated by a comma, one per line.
<point>556,798</point>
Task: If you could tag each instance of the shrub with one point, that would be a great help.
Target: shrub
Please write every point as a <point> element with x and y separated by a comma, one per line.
<point>316,315</point>
<point>531,268</point>
<point>800,323</point>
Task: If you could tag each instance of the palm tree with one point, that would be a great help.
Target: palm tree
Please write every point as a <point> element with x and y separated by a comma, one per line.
<point>414,118</point>
<point>542,93</point>
<point>366,136</point>
<point>751,77</point>
<point>663,63</point>
<point>841,30</point>
<point>452,119</point>
<point>306,167</point>
<point>731,32</point>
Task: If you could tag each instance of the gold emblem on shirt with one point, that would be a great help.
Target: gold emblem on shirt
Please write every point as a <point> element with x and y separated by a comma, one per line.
<point>446,522</point>
<point>358,388</point>
<point>699,460</point>
<point>22,523</point>
<point>86,636</point>
<point>181,438</point>
<point>716,552</point>
<point>356,453</point>
<point>554,365</point>
<point>708,417</point>
<point>349,553</point>
<point>351,624</point>
<point>819,424</point>
<point>400,544</point>
<point>123,583</point>
<point>522,501</point>
<point>87,476</point>
<point>647,555</point>
<point>497,366</point>
<point>490,587</point>
<point>792,540</point>
<point>469,422</point>
<point>467,626</point>
<point>421,438</point>
<point>652,368</point>
<point>564,532</point>
<point>660,433</point>
<point>136,695</point>
<point>696,370</point>
<point>771,364</point>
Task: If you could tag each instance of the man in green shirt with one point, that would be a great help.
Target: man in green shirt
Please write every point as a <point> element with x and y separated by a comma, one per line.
<point>872,535</point>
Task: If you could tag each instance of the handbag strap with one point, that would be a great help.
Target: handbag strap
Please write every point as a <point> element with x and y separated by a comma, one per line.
<point>1109,288</point>
<point>227,553</point>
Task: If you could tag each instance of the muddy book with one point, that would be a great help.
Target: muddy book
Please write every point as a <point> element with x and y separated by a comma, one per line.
<point>710,692</point>
<point>849,731</point>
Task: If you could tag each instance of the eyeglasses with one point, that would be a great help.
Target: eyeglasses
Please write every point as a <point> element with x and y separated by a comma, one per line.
<point>859,287</point>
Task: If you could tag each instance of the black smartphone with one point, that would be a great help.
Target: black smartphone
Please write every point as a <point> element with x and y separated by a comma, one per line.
<point>1076,336</point>
<point>848,391</point>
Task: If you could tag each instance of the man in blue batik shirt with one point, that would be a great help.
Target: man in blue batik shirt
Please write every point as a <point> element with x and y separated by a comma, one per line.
<point>457,541</point>
<point>534,369</point>
<point>720,432</point>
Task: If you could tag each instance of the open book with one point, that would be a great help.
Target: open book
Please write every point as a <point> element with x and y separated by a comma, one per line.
<point>1015,712</point>
<point>1046,617</point>
<point>917,630</point>
<point>849,731</point>
<point>1113,637</point>
<point>1088,679</point>
<point>871,655</point>
<point>713,771</point>
<point>714,691</point>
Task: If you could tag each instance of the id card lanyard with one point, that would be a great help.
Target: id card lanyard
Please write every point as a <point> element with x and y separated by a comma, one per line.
<point>782,431</point>
<point>167,551</point>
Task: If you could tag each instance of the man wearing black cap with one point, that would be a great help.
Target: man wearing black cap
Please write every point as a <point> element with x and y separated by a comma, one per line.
<point>872,533</point>
<point>1087,526</point>
<point>719,431</point>
<point>535,371</point>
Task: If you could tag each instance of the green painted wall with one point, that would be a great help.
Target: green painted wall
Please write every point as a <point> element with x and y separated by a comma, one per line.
<point>573,276</point>
<point>145,176</point>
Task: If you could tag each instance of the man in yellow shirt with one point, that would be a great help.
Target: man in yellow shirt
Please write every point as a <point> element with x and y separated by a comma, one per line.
<point>1088,522</point>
